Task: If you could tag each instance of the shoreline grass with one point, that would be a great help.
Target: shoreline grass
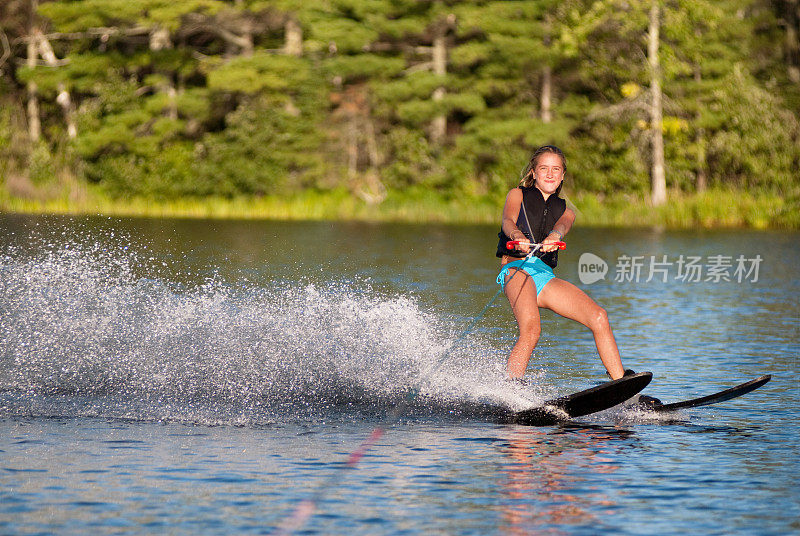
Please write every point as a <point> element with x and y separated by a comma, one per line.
<point>708,210</point>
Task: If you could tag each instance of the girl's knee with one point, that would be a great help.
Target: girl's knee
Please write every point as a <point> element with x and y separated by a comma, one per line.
<point>599,320</point>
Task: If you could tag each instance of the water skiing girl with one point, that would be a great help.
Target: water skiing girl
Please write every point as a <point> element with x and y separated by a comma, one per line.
<point>534,213</point>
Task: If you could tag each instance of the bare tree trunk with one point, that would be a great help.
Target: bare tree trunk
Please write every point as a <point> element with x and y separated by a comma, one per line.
<point>249,46</point>
<point>547,88</point>
<point>792,40</point>
<point>701,179</point>
<point>172,96</point>
<point>352,147</point>
<point>65,101</point>
<point>63,98</point>
<point>701,183</point>
<point>34,121</point>
<point>376,191</point>
<point>547,78</point>
<point>359,131</point>
<point>246,39</point>
<point>235,44</point>
<point>658,176</point>
<point>294,38</point>
<point>372,144</point>
<point>159,38</point>
<point>439,125</point>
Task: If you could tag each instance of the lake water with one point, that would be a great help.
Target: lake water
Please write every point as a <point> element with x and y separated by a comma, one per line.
<point>207,377</point>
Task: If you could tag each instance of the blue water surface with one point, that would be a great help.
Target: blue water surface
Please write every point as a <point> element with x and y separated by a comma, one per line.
<point>201,377</point>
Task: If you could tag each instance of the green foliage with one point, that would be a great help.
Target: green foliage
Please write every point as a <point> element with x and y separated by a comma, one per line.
<point>77,15</point>
<point>194,103</point>
<point>756,146</point>
<point>363,67</point>
<point>166,173</point>
<point>259,72</point>
<point>468,104</point>
<point>470,54</point>
<point>265,149</point>
<point>207,114</point>
<point>6,132</point>
<point>420,111</point>
<point>412,158</point>
<point>348,36</point>
<point>41,167</point>
<point>418,85</point>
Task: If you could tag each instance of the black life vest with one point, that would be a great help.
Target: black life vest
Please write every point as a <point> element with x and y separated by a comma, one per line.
<point>542,215</point>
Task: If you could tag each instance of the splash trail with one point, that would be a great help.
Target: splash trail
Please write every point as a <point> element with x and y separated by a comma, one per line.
<point>84,333</point>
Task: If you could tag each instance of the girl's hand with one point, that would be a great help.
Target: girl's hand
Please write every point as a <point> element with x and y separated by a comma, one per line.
<point>522,248</point>
<point>550,243</point>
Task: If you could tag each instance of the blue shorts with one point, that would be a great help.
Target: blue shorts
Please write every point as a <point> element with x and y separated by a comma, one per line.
<point>534,267</point>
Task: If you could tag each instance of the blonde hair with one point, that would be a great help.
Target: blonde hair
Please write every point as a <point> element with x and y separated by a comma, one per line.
<point>526,177</point>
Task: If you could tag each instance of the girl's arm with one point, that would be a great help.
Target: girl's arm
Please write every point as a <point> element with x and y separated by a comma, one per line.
<point>510,215</point>
<point>561,228</point>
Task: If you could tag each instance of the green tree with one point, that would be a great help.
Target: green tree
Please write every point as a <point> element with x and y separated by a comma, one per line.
<point>273,140</point>
<point>512,54</point>
<point>250,97</point>
<point>701,47</point>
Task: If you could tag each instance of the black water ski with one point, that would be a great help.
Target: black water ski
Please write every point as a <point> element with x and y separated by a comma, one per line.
<point>591,400</point>
<point>716,398</point>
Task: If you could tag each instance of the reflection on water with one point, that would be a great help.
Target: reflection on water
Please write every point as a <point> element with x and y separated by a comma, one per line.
<point>544,488</point>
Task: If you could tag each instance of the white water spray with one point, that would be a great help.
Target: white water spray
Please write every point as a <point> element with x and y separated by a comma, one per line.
<point>82,333</point>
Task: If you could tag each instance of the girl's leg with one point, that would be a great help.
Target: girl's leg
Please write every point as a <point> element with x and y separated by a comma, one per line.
<point>521,293</point>
<point>569,301</point>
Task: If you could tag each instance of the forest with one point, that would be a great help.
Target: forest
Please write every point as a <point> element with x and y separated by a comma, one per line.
<point>157,100</point>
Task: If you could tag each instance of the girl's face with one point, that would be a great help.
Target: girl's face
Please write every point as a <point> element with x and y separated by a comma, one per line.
<point>548,173</point>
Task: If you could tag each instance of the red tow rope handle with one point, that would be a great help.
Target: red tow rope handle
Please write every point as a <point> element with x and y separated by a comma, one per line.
<point>511,243</point>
